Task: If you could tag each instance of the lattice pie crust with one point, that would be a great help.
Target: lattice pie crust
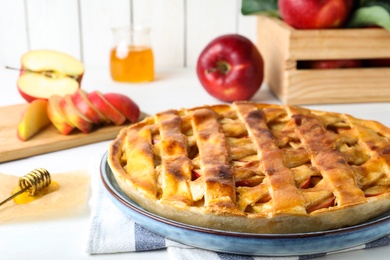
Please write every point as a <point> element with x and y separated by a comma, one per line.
<point>256,168</point>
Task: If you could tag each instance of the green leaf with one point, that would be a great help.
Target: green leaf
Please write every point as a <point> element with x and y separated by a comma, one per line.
<point>384,3</point>
<point>269,7</point>
<point>368,16</point>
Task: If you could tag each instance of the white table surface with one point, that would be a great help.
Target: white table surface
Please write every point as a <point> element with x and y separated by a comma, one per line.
<point>65,238</point>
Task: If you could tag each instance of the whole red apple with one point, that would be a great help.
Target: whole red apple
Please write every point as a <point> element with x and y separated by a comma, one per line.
<point>315,14</point>
<point>230,68</point>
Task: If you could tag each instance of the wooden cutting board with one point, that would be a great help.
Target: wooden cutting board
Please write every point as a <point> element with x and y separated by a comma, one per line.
<point>48,140</point>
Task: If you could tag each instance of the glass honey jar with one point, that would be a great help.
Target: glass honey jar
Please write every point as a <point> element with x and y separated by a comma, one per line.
<point>131,58</point>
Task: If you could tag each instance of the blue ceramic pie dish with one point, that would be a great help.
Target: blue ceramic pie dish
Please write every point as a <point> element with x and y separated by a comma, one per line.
<point>245,243</point>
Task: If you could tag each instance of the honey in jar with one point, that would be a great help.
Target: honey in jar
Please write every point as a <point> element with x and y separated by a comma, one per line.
<point>132,64</point>
<point>131,59</point>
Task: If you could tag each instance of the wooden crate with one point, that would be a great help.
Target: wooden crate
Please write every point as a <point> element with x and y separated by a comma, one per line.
<point>283,46</point>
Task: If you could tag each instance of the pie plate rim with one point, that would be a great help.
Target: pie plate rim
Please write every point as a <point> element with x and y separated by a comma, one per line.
<point>254,244</point>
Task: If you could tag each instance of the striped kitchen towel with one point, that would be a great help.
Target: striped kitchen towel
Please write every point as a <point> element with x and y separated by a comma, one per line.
<point>112,232</point>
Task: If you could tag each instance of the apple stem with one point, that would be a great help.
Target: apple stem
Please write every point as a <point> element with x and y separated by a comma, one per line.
<point>222,67</point>
<point>11,68</point>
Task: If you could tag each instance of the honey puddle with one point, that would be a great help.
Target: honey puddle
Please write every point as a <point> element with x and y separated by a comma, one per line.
<point>25,197</point>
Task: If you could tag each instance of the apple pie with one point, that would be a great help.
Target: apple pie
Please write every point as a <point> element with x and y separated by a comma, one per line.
<point>257,168</point>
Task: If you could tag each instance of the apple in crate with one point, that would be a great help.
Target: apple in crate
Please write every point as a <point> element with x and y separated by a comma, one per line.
<point>230,68</point>
<point>34,119</point>
<point>45,73</point>
<point>315,14</point>
<point>334,64</point>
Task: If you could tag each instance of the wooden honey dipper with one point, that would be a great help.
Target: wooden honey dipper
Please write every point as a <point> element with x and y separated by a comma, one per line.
<point>33,181</point>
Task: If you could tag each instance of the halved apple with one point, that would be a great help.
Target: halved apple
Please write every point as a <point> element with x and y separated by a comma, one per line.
<point>85,106</point>
<point>33,120</point>
<point>45,73</point>
<point>57,117</point>
<point>74,116</point>
<point>125,105</point>
<point>33,86</point>
<point>105,107</point>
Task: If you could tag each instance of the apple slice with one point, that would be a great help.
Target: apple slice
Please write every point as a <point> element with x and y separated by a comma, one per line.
<point>74,116</point>
<point>329,202</point>
<point>57,117</point>
<point>305,184</point>
<point>33,120</point>
<point>85,106</point>
<point>105,107</point>
<point>45,73</point>
<point>125,105</point>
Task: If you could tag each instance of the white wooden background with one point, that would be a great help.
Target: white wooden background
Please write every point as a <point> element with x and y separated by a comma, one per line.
<point>82,28</point>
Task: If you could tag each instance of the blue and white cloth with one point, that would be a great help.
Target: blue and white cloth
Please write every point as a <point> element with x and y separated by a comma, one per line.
<point>112,232</point>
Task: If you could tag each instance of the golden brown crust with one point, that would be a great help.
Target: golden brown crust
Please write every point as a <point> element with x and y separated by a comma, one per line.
<point>279,178</point>
<point>214,160</point>
<point>258,168</point>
